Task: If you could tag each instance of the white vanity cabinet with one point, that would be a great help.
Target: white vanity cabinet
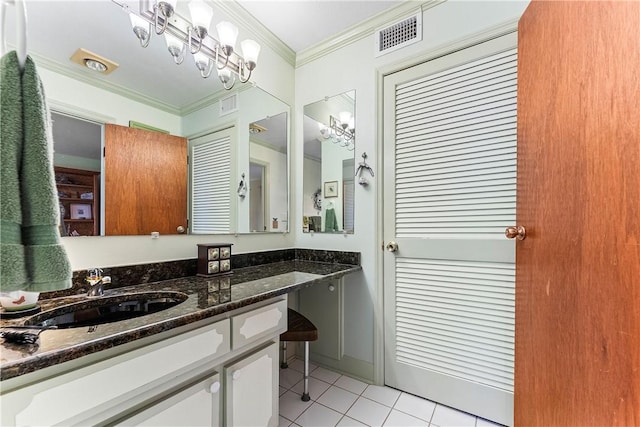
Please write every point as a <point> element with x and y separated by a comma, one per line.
<point>177,378</point>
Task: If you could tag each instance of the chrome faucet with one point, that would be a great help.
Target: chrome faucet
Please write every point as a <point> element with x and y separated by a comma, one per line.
<point>97,285</point>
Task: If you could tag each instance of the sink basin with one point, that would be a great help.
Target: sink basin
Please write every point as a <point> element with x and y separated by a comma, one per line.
<point>107,309</point>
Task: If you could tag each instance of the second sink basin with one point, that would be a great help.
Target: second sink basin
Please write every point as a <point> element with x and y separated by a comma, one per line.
<point>97,311</point>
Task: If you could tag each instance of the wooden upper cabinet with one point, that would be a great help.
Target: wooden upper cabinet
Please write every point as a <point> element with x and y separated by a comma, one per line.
<point>145,182</point>
<point>577,353</point>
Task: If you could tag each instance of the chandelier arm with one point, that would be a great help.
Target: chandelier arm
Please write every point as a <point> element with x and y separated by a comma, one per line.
<point>179,59</point>
<point>233,82</point>
<point>218,60</point>
<point>206,74</point>
<point>164,23</point>
<point>241,67</point>
<point>145,42</point>
<point>190,34</point>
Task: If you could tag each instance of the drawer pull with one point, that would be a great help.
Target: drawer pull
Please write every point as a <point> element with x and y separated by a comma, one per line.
<point>215,387</point>
<point>235,375</point>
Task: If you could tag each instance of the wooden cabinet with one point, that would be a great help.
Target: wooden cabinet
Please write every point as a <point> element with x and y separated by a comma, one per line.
<point>79,195</point>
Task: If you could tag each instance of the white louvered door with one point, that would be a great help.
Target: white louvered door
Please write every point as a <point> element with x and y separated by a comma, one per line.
<point>449,193</point>
<point>212,201</point>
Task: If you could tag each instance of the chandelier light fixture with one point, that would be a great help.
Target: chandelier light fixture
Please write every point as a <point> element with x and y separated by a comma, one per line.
<point>184,36</point>
<point>341,130</point>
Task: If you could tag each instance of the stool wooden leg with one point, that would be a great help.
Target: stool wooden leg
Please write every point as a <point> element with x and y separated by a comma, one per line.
<point>283,363</point>
<point>305,394</point>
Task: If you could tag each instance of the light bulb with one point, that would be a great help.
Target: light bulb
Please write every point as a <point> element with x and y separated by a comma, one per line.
<point>201,15</point>
<point>344,118</point>
<point>228,33</point>
<point>138,22</point>
<point>173,42</point>
<point>250,51</point>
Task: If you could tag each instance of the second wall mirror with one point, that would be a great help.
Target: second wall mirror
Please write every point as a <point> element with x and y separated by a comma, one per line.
<point>329,148</point>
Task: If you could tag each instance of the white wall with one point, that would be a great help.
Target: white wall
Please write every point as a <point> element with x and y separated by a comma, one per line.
<point>276,164</point>
<point>358,69</point>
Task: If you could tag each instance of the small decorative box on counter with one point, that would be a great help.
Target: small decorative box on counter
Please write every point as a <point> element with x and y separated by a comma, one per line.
<point>214,258</point>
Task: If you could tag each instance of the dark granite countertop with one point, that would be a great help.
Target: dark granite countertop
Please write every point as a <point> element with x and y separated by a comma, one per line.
<point>207,297</point>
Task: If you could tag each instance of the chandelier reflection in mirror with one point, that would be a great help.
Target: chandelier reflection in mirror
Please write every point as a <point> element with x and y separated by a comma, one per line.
<point>341,130</point>
<point>183,36</point>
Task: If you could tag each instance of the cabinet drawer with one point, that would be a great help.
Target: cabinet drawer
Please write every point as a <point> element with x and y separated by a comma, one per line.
<point>111,386</point>
<point>260,323</point>
<point>197,405</point>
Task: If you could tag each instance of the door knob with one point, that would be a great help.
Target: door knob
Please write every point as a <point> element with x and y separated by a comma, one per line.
<point>392,246</point>
<point>518,232</point>
<point>180,229</point>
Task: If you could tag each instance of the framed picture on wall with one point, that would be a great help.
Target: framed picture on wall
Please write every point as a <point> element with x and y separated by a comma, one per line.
<point>80,211</point>
<point>331,189</point>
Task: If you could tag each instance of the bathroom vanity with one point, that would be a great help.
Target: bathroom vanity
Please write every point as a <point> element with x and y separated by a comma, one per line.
<point>210,360</point>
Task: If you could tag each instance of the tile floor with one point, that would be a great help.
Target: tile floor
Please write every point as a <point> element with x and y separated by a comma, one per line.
<point>338,400</point>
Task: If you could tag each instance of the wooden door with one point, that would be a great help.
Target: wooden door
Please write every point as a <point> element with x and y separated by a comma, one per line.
<point>578,270</point>
<point>145,182</point>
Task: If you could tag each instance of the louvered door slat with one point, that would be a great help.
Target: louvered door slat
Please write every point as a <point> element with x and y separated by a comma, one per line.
<point>210,183</point>
<point>426,287</point>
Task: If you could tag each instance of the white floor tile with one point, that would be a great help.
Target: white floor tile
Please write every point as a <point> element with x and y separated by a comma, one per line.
<point>289,378</point>
<point>400,419</point>
<point>338,399</point>
<point>318,415</point>
<point>415,406</point>
<point>385,395</point>
<point>350,422</point>
<point>443,416</point>
<point>481,422</point>
<point>351,384</point>
<point>298,365</point>
<point>291,406</point>
<point>368,412</point>
<point>316,387</point>
<point>325,375</point>
<point>283,422</point>
<point>282,391</point>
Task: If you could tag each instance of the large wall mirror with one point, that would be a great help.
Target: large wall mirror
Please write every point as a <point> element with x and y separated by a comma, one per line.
<point>248,194</point>
<point>329,164</point>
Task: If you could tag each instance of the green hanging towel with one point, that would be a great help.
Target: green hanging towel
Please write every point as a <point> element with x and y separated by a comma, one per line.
<point>46,263</point>
<point>13,273</point>
<point>331,222</point>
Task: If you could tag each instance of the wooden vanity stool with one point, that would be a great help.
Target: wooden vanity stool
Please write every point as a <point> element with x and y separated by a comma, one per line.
<point>299,328</point>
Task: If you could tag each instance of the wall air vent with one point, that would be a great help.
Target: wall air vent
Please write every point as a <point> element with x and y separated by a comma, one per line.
<point>229,104</point>
<point>399,34</point>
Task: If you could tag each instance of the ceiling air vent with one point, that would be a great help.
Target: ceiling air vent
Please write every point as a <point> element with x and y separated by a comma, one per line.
<point>229,104</point>
<point>400,34</point>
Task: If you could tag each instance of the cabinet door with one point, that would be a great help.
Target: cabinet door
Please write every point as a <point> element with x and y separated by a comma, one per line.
<point>252,388</point>
<point>197,405</point>
<point>321,304</point>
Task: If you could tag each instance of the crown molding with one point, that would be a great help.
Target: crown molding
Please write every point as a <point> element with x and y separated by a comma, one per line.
<point>244,19</point>
<point>362,30</point>
<point>102,84</point>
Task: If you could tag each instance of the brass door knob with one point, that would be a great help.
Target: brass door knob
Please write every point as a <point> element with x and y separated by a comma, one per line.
<point>392,246</point>
<point>180,229</point>
<point>517,232</point>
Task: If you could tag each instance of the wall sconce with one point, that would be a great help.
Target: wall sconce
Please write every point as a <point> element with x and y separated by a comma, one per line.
<point>182,35</point>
